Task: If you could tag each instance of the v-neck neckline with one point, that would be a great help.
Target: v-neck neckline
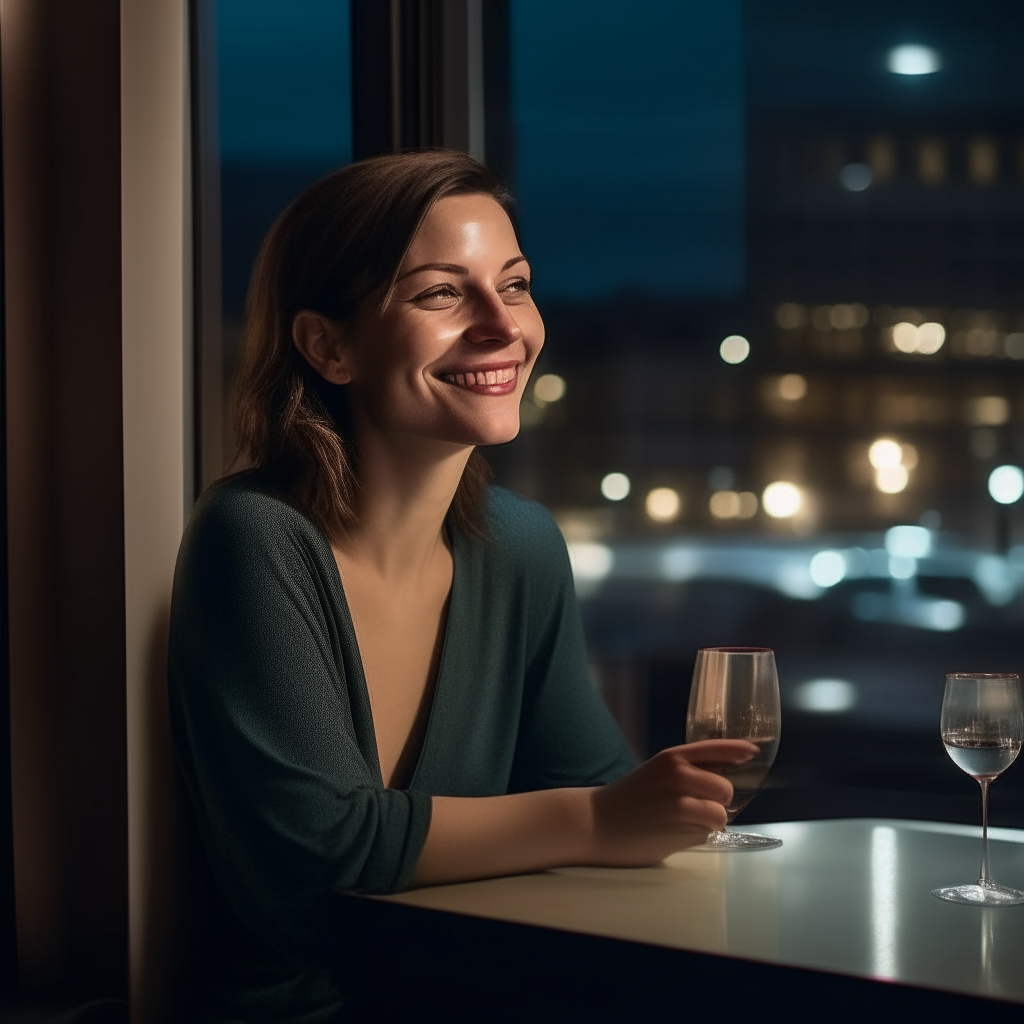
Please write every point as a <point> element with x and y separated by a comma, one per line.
<point>360,672</point>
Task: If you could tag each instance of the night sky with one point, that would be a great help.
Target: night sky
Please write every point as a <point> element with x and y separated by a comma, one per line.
<point>629,119</point>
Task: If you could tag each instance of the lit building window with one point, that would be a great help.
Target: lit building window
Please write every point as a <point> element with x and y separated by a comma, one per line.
<point>790,315</point>
<point>988,411</point>
<point>931,161</point>
<point>882,158</point>
<point>663,504</point>
<point>792,387</point>
<point>982,161</point>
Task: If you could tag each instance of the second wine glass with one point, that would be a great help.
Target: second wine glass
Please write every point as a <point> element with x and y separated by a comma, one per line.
<point>982,727</point>
<point>735,696</point>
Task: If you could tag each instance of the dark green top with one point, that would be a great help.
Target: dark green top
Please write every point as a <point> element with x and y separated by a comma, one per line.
<point>275,738</point>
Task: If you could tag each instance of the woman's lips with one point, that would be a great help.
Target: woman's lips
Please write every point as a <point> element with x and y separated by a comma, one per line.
<point>485,382</point>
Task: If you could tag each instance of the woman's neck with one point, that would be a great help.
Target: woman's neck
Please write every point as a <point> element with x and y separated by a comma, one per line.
<point>406,486</point>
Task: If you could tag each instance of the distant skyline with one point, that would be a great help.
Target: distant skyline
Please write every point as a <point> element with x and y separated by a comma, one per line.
<point>629,123</point>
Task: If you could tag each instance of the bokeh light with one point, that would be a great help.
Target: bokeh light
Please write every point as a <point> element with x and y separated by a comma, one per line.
<point>792,387</point>
<point>913,59</point>
<point>734,349</point>
<point>549,388</point>
<point>615,486</point>
<point>1006,484</point>
<point>663,504</point>
<point>782,499</point>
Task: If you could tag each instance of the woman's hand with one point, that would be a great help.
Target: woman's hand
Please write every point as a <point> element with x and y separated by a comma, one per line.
<point>667,804</point>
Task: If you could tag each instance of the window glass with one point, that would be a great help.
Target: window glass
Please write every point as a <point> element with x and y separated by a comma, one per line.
<point>779,248</point>
<point>285,119</point>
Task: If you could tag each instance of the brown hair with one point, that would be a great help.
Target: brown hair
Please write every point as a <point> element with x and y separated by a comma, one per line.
<point>338,245</point>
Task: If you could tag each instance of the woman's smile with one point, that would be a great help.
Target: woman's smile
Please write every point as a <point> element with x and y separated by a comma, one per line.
<point>485,380</point>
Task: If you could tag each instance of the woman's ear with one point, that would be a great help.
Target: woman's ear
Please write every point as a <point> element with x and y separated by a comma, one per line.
<point>322,344</point>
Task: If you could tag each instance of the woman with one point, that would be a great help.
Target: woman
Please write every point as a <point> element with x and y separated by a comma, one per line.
<point>377,670</point>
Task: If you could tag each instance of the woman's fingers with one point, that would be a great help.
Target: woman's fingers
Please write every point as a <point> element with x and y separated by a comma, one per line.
<point>708,814</point>
<point>704,751</point>
<point>705,785</point>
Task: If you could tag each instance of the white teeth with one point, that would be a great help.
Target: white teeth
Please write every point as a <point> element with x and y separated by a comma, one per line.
<point>481,378</point>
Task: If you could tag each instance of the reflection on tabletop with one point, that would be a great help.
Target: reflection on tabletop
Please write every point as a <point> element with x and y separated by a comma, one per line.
<point>849,896</point>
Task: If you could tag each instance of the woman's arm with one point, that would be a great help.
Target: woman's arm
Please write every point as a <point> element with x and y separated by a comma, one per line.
<point>666,804</point>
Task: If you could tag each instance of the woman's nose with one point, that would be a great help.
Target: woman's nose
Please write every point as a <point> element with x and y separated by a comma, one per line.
<point>493,322</point>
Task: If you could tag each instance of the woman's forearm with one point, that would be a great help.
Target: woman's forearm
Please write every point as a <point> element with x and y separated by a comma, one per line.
<point>481,837</point>
<point>668,803</point>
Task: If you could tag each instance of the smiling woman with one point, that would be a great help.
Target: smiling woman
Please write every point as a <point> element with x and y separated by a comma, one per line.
<point>377,669</point>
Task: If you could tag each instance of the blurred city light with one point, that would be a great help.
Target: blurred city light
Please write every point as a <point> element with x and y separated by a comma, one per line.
<point>781,499</point>
<point>748,505</point>
<point>913,59</point>
<point>590,561</point>
<point>825,696</point>
<point>827,568</point>
<point>892,463</point>
<point>663,504</point>
<point>733,504</point>
<point>548,388</point>
<point>924,340</point>
<point>724,504</point>
<point>988,411</point>
<point>855,177</point>
<point>615,486</point>
<point>790,315</point>
<point>892,479</point>
<point>843,315</point>
<point>908,541</point>
<point>734,349</point>
<point>1006,484</point>
<point>884,453</point>
<point>902,567</point>
<point>792,387</point>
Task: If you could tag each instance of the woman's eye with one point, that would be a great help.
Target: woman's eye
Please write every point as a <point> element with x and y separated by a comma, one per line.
<point>443,295</point>
<point>519,286</point>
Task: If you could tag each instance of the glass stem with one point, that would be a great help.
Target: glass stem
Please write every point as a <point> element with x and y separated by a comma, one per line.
<point>984,879</point>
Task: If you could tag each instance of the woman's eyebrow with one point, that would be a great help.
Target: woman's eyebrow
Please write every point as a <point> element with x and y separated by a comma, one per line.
<point>454,268</point>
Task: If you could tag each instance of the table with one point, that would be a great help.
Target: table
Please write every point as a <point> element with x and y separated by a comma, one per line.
<point>844,899</point>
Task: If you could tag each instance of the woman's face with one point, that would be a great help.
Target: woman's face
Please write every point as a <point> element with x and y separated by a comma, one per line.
<point>450,356</point>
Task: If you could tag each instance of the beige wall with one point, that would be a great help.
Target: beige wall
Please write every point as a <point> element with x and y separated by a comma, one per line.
<point>156,323</point>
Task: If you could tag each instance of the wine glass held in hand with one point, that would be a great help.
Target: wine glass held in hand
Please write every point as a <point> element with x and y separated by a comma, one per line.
<point>735,696</point>
<point>982,726</point>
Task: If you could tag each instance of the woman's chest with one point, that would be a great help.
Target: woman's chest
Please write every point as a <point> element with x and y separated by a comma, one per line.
<point>399,632</point>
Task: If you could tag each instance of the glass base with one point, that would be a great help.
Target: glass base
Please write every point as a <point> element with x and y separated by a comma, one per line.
<point>723,842</point>
<point>977,894</point>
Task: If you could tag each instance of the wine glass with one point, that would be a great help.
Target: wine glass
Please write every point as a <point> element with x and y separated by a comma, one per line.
<point>982,726</point>
<point>735,696</point>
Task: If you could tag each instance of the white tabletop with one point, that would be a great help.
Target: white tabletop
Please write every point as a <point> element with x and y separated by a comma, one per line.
<point>849,896</point>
